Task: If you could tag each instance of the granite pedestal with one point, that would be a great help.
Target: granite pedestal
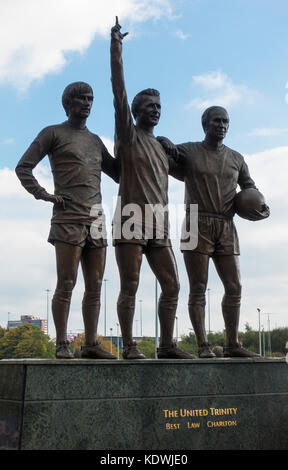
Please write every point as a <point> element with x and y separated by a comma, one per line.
<point>222,404</point>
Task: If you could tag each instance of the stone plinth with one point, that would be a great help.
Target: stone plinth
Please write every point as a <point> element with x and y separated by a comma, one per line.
<point>221,404</point>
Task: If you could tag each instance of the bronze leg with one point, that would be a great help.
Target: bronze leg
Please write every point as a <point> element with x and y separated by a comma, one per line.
<point>163,265</point>
<point>197,265</point>
<point>67,262</point>
<point>129,259</point>
<point>229,272</point>
<point>93,265</point>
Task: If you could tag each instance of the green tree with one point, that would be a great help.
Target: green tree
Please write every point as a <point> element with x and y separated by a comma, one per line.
<point>147,347</point>
<point>248,327</point>
<point>249,339</point>
<point>2,331</point>
<point>279,338</point>
<point>216,339</point>
<point>26,341</point>
<point>188,343</point>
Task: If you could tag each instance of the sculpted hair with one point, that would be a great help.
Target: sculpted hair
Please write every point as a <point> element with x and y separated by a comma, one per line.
<point>72,90</point>
<point>137,99</point>
<point>206,115</point>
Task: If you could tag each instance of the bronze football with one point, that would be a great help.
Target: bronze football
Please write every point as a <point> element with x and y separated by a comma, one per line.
<point>248,201</point>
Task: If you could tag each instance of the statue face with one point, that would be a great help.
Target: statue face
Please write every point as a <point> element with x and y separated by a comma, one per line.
<point>80,106</point>
<point>148,111</point>
<point>218,124</point>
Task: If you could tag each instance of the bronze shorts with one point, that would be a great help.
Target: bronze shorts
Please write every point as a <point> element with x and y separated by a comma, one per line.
<point>151,242</point>
<point>74,234</point>
<point>216,236</point>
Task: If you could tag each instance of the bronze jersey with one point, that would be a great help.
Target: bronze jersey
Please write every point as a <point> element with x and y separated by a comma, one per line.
<point>77,157</point>
<point>211,177</point>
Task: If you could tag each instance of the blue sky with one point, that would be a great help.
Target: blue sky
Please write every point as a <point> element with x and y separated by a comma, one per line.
<point>196,53</point>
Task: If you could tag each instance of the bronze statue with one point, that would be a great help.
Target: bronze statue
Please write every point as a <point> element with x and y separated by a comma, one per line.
<point>143,184</point>
<point>77,157</point>
<point>211,172</point>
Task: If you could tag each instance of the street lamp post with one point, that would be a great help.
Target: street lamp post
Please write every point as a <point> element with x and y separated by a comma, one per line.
<point>111,329</point>
<point>263,336</point>
<point>105,310</point>
<point>259,331</point>
<point>176,318</point>
<point>156,317</point>
<point>47,310</point>
<point>141,332</point>
<point>118,352</point>
<point>208,291</point>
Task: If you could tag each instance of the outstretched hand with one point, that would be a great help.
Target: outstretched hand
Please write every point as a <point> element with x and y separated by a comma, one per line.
<point>116,31</point>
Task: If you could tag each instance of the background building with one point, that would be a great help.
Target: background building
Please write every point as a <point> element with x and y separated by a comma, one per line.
<point>24,319</point>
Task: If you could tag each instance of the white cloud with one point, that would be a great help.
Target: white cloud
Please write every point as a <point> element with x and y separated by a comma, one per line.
<point>213,80</point>
<point>8,141</point>
<point>37,35</point>
<point>268,131</point>
<point>10,185</point>
<point>220,90</point>
<point>179,34</point>
<point>269,169</point>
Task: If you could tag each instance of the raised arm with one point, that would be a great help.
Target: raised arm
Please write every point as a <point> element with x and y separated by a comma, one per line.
<point>123,117</point>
